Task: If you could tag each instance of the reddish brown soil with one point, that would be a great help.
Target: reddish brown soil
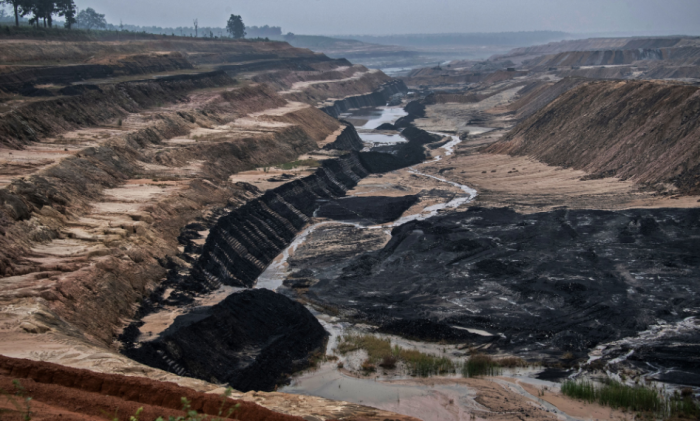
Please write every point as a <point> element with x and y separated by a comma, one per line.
<point>62,393</point>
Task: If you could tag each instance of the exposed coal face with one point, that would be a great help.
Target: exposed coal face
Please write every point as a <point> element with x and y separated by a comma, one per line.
<point>375,99</point>
<point>251,340</point>
<point>541,284</point>
<point>348,140</point>
<point>401,155</point>
<point>415,109</point>
<point>371,210</point>
<point>245,241</point>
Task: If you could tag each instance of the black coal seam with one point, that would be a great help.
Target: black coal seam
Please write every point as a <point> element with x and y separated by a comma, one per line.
<point>378,98</point>
<point>284,210</point>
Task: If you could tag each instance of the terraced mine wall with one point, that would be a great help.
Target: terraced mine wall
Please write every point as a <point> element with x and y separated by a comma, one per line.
<point>440,76</point>
<point>40,119</point>
<point>648,132</point>
<point>107,290</point>
<point>196,50</point>
<point>375,99</point>
<point>299,63</point>
<point>23,79</point>
<point>595,58</point>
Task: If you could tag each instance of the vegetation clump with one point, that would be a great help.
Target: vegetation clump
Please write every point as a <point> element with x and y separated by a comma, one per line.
<point>480,365</point>
<point>380,352</point>
<point>641,399</point>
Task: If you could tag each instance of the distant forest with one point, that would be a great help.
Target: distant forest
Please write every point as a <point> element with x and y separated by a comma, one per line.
<point>272,32</point>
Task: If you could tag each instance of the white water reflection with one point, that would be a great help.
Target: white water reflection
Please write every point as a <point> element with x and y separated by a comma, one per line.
<point>388,115</point>
<point>381,139</point>
<point>371,118</point>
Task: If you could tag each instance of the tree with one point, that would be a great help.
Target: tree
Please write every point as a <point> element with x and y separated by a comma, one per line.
<point>41,9</point>
<point>196,25</point>
<point>18,6</point>
<point>89,19</point>
<point>235,27</point>
<point>67,9</point>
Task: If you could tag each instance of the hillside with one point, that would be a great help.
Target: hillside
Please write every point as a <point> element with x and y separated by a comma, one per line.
<point>648,132</point>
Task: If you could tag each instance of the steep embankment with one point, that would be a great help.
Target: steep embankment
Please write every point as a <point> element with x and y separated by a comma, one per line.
<point>537,95</point>
<point>59,392</point>
<point>245,241</point>
<point>645,131</point>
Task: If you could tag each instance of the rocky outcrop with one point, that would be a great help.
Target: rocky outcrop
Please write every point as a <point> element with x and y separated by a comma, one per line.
<point>251,341</point>
<point>377,98</point>
<point>645,131</point>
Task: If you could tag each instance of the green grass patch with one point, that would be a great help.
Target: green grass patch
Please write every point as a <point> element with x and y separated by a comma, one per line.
<point>480,365</point>
<point>424,365</point>
<point>300,163</point>
<point>640,399</point>
<point>380,351</point>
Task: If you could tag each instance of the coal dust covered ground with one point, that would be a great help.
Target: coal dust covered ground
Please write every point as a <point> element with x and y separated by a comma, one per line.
<point>618,285</point>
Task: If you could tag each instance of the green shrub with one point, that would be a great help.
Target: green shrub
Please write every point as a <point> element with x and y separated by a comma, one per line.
<point>480,365</point>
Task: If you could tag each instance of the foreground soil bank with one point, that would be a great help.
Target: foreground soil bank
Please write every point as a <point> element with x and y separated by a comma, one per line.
<point>60,392</point>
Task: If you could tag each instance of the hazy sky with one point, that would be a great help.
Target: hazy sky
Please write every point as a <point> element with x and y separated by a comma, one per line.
<point>415,16</point>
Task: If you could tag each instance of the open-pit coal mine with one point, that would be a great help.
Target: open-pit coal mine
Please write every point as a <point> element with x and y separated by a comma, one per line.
<point>180,216</point>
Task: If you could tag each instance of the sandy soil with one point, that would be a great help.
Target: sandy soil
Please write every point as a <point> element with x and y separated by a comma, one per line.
<point>531,186</point>
<point>300,86</point>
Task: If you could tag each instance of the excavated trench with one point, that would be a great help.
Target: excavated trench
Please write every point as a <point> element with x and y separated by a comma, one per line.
<point>590,283</point>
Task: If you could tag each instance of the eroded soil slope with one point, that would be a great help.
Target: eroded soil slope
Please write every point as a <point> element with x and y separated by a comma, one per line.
<point>645,131</point>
